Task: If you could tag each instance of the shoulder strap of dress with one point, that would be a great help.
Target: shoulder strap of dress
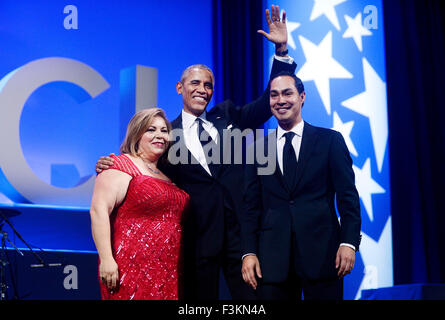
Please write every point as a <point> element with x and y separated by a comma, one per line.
<point>125,164</point>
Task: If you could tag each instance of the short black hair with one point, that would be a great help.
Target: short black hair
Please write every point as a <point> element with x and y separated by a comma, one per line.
<point>298,83</point>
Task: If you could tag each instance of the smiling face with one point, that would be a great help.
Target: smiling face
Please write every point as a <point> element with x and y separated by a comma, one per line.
<point>154,141</point>
<point>286,102</point>
<point>196,89</point>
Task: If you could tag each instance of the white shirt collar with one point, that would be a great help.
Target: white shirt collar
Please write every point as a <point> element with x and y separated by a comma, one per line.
<point>297,129</point>
<point>189,119</point>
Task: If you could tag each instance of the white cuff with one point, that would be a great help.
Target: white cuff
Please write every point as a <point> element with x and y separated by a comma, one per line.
<point>247,254</point>
<point>286,59</point>
<point>348,245</point>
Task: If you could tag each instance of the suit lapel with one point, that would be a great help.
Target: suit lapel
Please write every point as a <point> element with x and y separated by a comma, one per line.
<point>308,142</point>
<point>220,123</point>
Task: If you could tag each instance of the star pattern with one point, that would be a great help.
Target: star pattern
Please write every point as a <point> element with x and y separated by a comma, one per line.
<point>366,186</point>
<point>372,104</point>
<point>345,129</point>
<point>326,7</point>
<point>356,30</point>
<point>291,26</point>
<point>320,67</point>
<point>377,257</point>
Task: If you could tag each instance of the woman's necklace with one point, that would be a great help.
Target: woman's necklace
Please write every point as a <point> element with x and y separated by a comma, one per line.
<point>155,171</point>
<point>152,170</point>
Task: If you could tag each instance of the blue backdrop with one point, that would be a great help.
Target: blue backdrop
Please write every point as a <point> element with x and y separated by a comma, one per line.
<point>62,130</point>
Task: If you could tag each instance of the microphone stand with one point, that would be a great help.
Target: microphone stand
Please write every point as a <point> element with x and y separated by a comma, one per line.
<point>3,263</point>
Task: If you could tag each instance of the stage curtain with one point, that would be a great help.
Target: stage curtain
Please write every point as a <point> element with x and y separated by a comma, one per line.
<point>238,50</point>
<point>415,54</point>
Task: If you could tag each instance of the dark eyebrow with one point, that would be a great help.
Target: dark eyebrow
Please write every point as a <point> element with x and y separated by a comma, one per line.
<point>207,83</point>
<point>282,91</point>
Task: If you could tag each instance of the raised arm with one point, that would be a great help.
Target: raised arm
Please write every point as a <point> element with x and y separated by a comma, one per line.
<point>255,113</point>
<point>277,29</point>
<point>109,191</point>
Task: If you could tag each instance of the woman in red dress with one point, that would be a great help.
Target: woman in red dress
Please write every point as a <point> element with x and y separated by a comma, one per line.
<point>136,214</point>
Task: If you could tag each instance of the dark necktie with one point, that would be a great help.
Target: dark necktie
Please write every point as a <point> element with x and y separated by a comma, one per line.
<point>289,161</point>
<point>207,142</point>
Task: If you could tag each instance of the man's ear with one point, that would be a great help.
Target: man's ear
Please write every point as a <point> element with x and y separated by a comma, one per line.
<point>179,87</point>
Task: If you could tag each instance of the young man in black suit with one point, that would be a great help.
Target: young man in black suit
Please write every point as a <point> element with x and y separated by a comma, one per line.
<point>211,227</point>
<point>292,239</point>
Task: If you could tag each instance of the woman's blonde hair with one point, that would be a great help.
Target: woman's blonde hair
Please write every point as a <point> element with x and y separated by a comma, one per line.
<point>138,125</point>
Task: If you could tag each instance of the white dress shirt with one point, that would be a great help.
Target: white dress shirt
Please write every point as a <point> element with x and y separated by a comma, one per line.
<point>191,139</point>
<point>296,141</point>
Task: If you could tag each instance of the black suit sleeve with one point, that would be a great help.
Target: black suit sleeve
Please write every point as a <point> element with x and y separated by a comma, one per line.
<point>251,211</point>
<point>348,201</point>
<point>255,113</point>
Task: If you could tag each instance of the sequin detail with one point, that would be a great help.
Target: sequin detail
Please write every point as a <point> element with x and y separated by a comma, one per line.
<point>146,237</point>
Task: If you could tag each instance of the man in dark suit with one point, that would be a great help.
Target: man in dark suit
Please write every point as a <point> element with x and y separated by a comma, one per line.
<point>211,227</point>
<point>211,230</point>
<point>293,242</point>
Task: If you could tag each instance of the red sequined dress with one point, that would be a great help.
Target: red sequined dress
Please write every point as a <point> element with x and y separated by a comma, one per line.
<point>146,237</point>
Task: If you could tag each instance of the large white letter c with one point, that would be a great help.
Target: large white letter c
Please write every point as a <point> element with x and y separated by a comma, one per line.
<point>15,88</point>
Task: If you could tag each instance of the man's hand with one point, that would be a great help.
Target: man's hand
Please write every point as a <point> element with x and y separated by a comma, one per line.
<point>104,163</point>
<point>345,260</point>
<point>251,265</point>
<point>277,29</point>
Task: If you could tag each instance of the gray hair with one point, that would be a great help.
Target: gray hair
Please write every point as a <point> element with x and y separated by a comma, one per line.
<point>197,66</point>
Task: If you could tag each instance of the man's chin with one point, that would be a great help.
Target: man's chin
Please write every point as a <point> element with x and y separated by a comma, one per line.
<point>282,118</point>
<point>198,110</point>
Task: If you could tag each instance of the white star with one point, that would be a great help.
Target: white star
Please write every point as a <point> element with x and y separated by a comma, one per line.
<point>366,186</point>
<point>345,130</point>
<point>320,66</point>
<point>356,30</point>
<point>291,26</point>
<point>326,7</point>
<point>372,104</point>
<point>377,258</point>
